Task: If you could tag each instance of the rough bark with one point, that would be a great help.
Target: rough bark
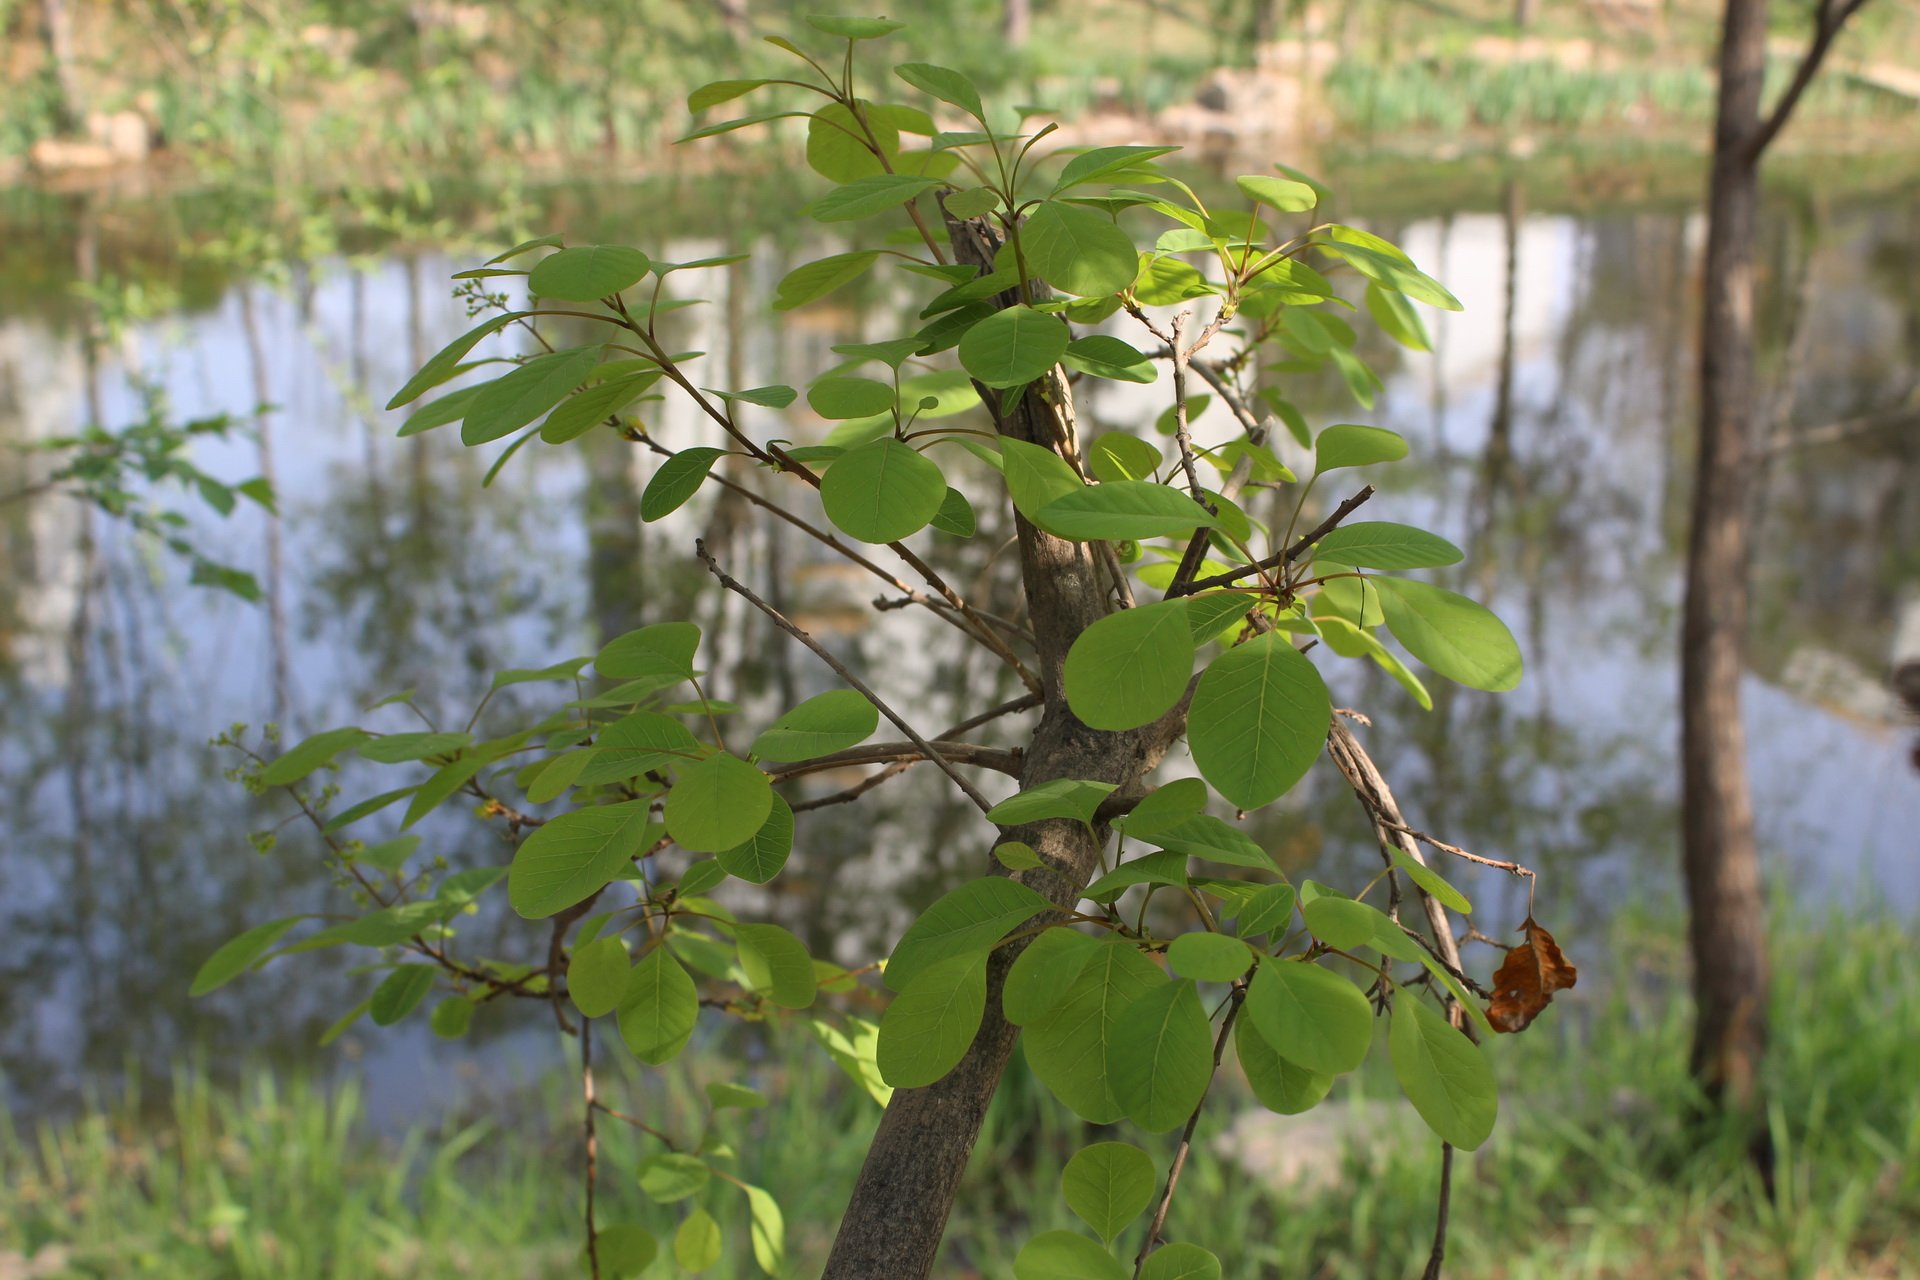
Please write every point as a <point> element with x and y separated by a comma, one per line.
<point>1727,922</point>
<point>898,1213</point>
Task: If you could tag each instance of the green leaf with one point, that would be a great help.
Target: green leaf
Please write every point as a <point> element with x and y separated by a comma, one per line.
<point>320,749</point>
<point>955,515</point>
<point>574,856</point>
<point>396,748</point>
<point>588,273</point>
<point>1100,162</point>
<point>400,992</point>
<point>704,874</point>
<point>1017,855</point>
<point>1042,974</point>
<point>697,1244</point>
<point>1311,1017</point>
<point>1068,1046</point>
<point>853,28</point>
<point>1430,880</point>
<point>947,85</point>
<point>1209,957</point>
<point>597,975</point>
<point>1268,911</point>
<point>1064,1255</point>
<point>451,1017</point>
<point>1258,720</point>
<point>624,1250</point>
<point>719,91</point>
<point>658,1008</point>
<point>1061,798</point>
<point>1164,281</point>
<point>1013,347</point>
<point>1397,318</point>
<point>760,858</point>
<point>1357,599</point>
<point>837,146</point>
<point>1035,476</point>
<point>1381,544</point>
<point>429,795</point>
<point>389,855</point>
<point>448,408</point>
<point>527,246</point>
<point>767,1230</point>
<point>969,919</point>
<point>1161,1056</point>
<point>1131,667</point>
<point>777,965</point>
<point>1078,251</point>
<point>867,196</point>
<point>634,744</point>
<point>1278,193</point>
<point>1334,918</point>
<point>926,1030</point>
<point>589,408</point>
<point>816,280</point>
<point>676,480</point>
<point>1389,271</point>
<point>723,1094</point>
<point>1154,868</point>
<point>823,724</point>
<point>1123,509</point>
<point>1180,1261</point>
<point>1108,357</point>
<point>1349,445</point>
<point>1108,1185</point>
<point>1281,1086</point>
<point>663,648</point>
<point>1205,836</point>
<point>974,202</point>
<point>777,396</point>
<point>1445,1075</point>
<point>717,804</point>
<point>882,491</point>
<point>444,363</point>
<point>1165,806</point>
<point>1119,455</point>
<point>1458,638</point>
<point>850,397</point>
<point>237,955</point>
<point>673,1175</point>
<point>512,400</point>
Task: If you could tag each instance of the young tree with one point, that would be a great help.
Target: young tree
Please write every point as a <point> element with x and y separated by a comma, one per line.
<point>1137,558</point>
<point>1727,921</point>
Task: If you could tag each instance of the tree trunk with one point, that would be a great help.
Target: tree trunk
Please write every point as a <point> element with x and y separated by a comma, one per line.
<point>1524,12</point>
<point>1727,921</point>
<point>56,27</point>
<point>1016,23</point>
<point>898,1214</point>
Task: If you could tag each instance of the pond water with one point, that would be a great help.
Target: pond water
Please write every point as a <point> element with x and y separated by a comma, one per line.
<point>1550,434</point>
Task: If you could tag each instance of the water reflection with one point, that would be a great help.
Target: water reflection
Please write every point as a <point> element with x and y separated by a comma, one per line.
<point>1549,429</point>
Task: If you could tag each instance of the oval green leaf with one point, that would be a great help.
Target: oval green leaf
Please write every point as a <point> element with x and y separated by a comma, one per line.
<point>1258,721</point>
<point>588,273</point>
<point>1108,1185</point>
<point>1445,1075</point>
<point>823,724</point>
<point>1013,347</point>
<point>926,1030</point>
<point>573,857</point>
<point>717,804</point>
<point>1131,667</point>
<point>1459,638</point>
<point>882,491</point>
<point>1310,1016</point>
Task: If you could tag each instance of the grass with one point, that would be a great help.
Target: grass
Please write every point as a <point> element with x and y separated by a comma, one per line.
<point>1592,1173</point>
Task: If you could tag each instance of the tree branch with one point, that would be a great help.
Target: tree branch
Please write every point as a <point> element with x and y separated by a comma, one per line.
<point>839,669</point>
<point>1828,19</point>
<point>1292,553</point>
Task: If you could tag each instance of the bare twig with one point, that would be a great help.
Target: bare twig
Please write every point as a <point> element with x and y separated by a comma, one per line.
<point>1179,1164</point>
<point>592,1142</point>
<point>840,669</point>
<point>1828,19</point>
<point>1280,559</point>
<point>999,759</point>
<point>1439,1253</point>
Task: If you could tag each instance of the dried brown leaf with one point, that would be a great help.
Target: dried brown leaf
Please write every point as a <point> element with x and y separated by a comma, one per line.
<point>1527,979</point>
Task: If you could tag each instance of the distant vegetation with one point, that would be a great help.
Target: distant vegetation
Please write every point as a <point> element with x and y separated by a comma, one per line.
<point>1591,1175</point>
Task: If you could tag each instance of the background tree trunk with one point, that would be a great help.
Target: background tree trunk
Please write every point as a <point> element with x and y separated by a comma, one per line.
<point>56,28</point>
<point>1727,924</point>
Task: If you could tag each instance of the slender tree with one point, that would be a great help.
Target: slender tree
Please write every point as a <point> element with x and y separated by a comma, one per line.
<point>1722,870</point>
